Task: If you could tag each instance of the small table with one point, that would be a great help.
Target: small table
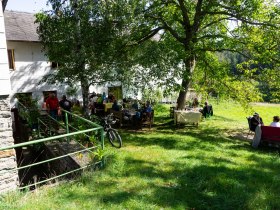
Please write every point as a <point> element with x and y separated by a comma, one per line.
<point>183,117</point>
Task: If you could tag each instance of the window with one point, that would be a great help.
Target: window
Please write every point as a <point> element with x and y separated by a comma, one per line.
<point>55,65</point>
<point>46,94</point>
<point>11,57</point>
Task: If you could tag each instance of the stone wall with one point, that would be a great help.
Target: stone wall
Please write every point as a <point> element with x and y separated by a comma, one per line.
<point>8,176</point>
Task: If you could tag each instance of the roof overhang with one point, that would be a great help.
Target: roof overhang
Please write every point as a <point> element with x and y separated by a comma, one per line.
<point>4,3</point>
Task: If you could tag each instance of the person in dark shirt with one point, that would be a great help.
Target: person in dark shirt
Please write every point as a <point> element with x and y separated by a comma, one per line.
<point>66,105</point>
<point>255,121</point>
<point>135,105</point>
<point>115,106</point>
<point>207,110</point>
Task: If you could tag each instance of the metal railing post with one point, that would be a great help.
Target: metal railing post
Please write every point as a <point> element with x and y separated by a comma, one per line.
<point>39,133</point>
<point>102,146</point>
<point>67,125</point>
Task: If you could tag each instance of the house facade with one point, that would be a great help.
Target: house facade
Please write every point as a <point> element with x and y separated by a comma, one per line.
<point>27,62</point>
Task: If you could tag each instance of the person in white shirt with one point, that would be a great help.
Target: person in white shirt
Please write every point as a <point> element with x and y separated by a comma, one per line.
<point>275,122</point>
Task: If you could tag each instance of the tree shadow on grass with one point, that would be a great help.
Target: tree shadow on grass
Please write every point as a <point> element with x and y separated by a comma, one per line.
<point>200,186</point>
<point>183,139</point>
<point>194,180</point>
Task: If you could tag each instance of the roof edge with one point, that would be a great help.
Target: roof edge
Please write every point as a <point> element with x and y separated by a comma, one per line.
<point>4,4</point>
<point>9,40</point>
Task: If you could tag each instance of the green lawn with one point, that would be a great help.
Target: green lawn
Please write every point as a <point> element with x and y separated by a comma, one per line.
<point>208,167</point>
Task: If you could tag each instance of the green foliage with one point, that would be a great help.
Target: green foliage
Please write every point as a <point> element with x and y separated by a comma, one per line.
<point>270,85</point>
<point>85,39</point>
<point>77,110</point>
<point>154,95</point>
<point>190,32</point>
<point>71,91</point>
<point>99,154</point>
<point>29,111</point>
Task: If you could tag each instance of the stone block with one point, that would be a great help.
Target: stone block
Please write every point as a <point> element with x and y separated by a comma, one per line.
<point>5,114</point>
<point>8,163</point>
<point>6,141</point>
<point>7,153</point>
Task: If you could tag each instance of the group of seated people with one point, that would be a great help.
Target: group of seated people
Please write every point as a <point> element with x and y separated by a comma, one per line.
<point>97,101</point>
<point>141,111</point>
<point>257,120</point>
<point>206,110</point>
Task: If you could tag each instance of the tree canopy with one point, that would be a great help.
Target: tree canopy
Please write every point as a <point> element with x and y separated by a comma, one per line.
<point>177,44</point>
<point>85,39</point>
<point>193,32</point>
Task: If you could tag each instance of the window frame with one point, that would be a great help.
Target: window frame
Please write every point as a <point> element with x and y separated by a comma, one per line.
<point>11,59</point>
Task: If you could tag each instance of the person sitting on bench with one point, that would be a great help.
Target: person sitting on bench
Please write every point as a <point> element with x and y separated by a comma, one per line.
<point>275,122</point>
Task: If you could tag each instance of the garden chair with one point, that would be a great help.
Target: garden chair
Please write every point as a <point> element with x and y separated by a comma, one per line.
<point>251,127</point>
<point>172,109</point>
<point>207,111</point>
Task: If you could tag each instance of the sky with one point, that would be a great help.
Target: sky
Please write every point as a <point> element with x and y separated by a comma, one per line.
<point>32,6</point>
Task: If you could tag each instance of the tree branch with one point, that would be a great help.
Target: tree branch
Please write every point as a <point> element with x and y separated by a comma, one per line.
<point>185,14</point>
<point>211,36</point>
<point>168,28</point>
<point>216,21</point>
<point>198,15</point>
<point>173,33</point>
<point>150,35</point>
<point>222,50</point>
<point>238,17</point>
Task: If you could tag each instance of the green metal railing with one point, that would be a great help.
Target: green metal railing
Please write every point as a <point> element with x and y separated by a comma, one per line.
<point>93,129</point>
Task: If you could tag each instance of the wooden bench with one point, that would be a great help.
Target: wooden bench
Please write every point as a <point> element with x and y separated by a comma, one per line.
<point>148,119</point>
<point>270,134</point>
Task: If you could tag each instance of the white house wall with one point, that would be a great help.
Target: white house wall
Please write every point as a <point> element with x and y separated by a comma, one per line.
<point>5,86</point>
<point>30,66</point>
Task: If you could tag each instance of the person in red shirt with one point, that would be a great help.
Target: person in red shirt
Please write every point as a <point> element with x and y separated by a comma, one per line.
<point>52,105</point>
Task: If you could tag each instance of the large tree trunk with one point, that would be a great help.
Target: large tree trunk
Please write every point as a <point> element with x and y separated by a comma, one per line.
<point>187,78</point>
<point>85,93</point>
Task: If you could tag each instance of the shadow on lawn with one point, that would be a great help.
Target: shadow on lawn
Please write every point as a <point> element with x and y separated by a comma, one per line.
<point>194,180</point>
<point>220,184</point>
<point>201,186</point>
<point>192,137</point>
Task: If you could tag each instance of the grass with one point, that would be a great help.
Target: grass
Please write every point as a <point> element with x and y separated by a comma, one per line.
<point>205,167</point>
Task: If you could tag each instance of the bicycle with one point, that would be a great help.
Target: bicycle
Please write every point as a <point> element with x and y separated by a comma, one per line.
<point>112,134</point>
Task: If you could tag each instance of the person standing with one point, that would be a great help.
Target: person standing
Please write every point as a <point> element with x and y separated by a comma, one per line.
<point>52,104</point>
<point>66,105</point>
<point>255,121</point>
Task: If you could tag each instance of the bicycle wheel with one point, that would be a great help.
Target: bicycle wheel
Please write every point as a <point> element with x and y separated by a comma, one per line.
<point>114,138</point>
